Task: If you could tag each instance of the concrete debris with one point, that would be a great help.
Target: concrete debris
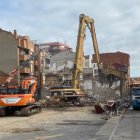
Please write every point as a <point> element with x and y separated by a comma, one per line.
<point>111,107</point>
<point>105,101</point>
<point>109,102</point>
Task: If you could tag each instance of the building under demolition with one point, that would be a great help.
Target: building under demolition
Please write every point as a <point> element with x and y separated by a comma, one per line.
<point>16,49</point>
<point>117,60</point>
<point>55,47</point>
<point>119,64</point>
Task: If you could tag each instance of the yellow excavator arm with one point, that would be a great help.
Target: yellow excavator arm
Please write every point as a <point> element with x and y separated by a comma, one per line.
<point>84,22</point>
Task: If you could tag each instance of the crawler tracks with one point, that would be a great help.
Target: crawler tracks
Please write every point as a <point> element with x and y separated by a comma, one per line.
<point>30,110</point>
<point>20,110</point>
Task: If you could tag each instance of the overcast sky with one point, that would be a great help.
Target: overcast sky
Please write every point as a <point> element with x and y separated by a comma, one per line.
<point>117,23</point>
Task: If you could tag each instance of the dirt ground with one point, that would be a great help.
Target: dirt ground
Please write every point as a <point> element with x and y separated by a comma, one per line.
<point>48,117</point>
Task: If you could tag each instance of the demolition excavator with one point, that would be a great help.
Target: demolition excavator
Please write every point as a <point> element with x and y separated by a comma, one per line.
<point>74,93</point>
<point>20,99</point>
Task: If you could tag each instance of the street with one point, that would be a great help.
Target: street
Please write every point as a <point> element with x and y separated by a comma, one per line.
<point>72,123</point>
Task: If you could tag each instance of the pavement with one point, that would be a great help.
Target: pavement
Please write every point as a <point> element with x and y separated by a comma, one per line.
<point>129,127</point>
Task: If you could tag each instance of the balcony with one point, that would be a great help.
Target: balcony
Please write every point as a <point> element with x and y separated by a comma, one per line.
<point>23,57</point>
<point>25,70</point>
<point>24,43</point>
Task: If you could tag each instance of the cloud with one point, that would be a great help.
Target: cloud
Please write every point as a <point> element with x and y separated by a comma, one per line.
<point>117,23</point>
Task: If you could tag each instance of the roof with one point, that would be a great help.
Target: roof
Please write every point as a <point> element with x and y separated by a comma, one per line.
<point>62,54</point>
<point>87,56</point>
<point>116,59</point>
<point>5,31</point>
<point>135,78</point>
<point>118,52</point>
<point>8,32</point>
<point>54,44</point>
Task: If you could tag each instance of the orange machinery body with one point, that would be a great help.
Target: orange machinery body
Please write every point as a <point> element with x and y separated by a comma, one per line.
<point>19,96</point>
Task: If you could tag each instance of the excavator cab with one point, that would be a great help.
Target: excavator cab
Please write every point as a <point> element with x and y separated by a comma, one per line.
<point>13,90</point>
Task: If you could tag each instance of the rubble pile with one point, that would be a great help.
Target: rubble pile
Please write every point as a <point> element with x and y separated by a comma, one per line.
<point>105,94</point>
<point>108,101</point>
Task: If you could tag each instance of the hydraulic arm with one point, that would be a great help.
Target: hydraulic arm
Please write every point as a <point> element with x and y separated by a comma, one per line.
<point>84,22</point>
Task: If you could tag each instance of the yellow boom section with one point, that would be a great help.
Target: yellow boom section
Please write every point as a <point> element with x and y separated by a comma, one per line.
<point>84,22</point>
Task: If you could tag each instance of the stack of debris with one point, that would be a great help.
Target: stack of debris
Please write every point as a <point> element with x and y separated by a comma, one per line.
<point>111,107</point>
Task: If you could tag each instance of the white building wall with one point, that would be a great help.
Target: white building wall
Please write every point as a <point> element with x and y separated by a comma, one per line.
<point>88,80</point>
<point>62,60</point>
<point>87,63</point>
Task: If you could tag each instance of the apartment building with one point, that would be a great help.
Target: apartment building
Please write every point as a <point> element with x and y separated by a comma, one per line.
<point>8,51</point>
<point>14,50</point>
<point>25,48</point>
<point>8,54</point>
<point>41,66</point>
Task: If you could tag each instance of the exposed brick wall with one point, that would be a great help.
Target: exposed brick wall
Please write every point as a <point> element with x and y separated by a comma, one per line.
<point>117,59</point>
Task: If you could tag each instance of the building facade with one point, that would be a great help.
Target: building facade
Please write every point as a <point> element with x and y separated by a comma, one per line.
<point>15,50</point>
<point>8,51</point>
<point>62,60</point>
<point>40,66</point>
<point>60,68</point>
<point>117,60</point>
<point>25,48</point>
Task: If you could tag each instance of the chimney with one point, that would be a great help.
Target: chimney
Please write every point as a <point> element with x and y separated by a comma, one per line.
<point>15,34</point>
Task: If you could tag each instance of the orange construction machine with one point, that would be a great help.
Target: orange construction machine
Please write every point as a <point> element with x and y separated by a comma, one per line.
<point>20,99</point>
